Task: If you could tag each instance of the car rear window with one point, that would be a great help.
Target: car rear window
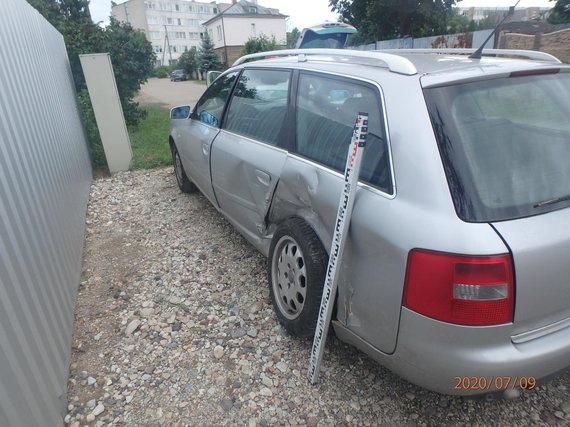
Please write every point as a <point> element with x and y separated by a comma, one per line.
<point>505,145</point>
<point>326,112</point>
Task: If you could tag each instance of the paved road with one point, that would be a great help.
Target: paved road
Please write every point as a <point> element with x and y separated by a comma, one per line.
<point>171,94</point>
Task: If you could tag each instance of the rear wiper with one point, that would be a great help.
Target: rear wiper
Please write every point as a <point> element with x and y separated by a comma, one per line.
<point>552,201</point>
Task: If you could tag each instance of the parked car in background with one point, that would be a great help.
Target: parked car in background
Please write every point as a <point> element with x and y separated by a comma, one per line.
<point>178,75</point>
<point>456,268</point>
<point>331,35</point>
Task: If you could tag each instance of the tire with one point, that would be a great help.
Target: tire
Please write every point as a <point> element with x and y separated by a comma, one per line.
<point>185,185</point>
<point>296,269</point>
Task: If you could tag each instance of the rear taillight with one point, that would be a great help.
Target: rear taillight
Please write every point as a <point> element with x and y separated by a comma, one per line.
<point>460,289</point>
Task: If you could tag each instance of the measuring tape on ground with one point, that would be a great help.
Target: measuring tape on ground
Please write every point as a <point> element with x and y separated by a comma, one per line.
<point>351,173</point>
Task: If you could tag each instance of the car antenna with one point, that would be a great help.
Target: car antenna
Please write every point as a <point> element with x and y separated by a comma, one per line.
<point>477,54</point>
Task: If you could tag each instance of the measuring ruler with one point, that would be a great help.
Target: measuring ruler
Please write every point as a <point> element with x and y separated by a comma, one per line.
<point>351,173</point>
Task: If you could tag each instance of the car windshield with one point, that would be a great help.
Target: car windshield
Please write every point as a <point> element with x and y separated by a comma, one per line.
<point>505,144</point>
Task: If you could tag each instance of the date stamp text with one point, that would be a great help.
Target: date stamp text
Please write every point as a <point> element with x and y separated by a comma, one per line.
<point>494,382</point>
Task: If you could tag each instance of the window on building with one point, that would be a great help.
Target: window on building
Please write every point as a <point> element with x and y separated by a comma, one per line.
<point>253,10</point>
<point>179,21</point>
<point>219,28</point>
<point>150,5</point>
<point>152,20</point>
<point>201,36</point>
<point>169,21</point>
<point>253,30</point>
<point>215,11</point>
<point>153,35</point>
<point>157,49</point>
<point>177,7</point>
<point>180,35</point>
<point>259,105</point>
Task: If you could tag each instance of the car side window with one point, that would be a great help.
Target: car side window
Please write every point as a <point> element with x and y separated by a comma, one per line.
<point>210,107</point>
<point>326,112</point>
<point>259,105</point>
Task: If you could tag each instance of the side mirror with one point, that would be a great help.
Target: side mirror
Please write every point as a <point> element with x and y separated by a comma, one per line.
<point>182,112</point>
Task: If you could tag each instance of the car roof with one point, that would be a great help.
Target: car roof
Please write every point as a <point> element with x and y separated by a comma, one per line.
<point>433,66</point>
<point>443,68</point>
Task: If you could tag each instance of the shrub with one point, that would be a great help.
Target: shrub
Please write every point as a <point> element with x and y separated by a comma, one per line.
<point>188,61</point>
<point>261,43</point>
<point>94,144</point>
<point>160,72</point>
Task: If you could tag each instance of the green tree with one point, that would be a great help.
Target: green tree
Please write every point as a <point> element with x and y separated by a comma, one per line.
<point>261,43</point>
<point>133,60</point>
<point>560,13</point>
<point>73,20</point>
<point>131,55</point>
<point>292,38</point>
<point>208,59</point>
<point>387,19</point>
<point>188,61</point>
<point>458,23</point>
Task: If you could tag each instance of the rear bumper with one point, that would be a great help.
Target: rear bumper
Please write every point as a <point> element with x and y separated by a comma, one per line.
<point>462,360</point>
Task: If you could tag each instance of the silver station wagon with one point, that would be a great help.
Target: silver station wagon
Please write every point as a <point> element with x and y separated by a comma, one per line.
<point>456,271</point>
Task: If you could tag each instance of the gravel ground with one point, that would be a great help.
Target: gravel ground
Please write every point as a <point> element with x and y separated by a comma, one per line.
<point>174,326</point>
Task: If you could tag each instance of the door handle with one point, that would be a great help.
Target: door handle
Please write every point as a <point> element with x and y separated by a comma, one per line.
<point>263,177</point>
<point>206,149</point>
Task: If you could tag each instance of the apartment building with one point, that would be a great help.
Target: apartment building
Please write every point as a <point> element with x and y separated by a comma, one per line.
<point>172,26</point>
<point>237,22</point>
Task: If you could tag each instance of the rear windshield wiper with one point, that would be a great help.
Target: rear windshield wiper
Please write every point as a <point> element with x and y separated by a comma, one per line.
<point>552,201</point>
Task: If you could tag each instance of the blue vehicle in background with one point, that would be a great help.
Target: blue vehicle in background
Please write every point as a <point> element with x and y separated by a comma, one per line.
<point>329,35</point>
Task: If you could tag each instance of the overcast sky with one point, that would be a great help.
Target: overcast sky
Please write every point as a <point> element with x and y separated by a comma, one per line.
<point>304,13</point>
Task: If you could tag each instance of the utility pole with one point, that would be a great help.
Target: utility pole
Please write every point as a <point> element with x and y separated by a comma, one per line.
<point>166,43</point>
<point>126,12</point>
<point>227,61</point>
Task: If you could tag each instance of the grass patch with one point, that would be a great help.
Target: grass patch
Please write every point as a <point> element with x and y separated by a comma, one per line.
<point>149,139</point>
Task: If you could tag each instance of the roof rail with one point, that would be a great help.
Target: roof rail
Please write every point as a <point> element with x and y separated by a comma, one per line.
<point>527,54</point>
<point>392,61</point>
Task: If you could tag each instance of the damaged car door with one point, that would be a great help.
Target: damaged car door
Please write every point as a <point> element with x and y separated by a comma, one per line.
<point>248,154</point>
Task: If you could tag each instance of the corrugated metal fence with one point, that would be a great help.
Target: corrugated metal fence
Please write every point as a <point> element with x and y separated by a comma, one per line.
<point>462,40</point>
<point>45,176</point>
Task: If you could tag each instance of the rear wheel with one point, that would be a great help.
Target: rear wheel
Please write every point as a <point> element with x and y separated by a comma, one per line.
<point>185,185</point>
<point>296,273</point>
